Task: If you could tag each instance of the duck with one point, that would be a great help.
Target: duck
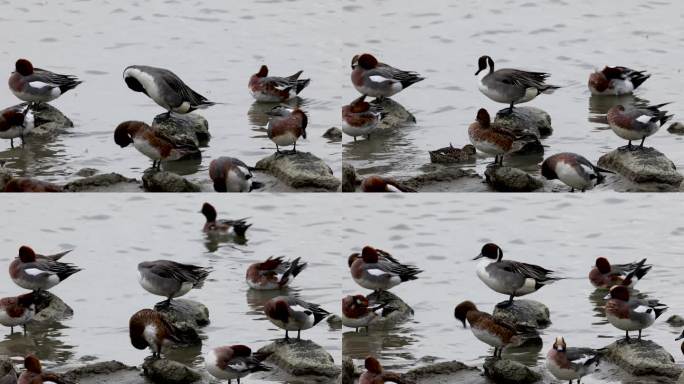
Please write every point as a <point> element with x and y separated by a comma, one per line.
<point>636,123</point>
<point>34,373</point>
<point>28,184</point>
<point>232,175</point>
<point>148,328</point>
<point>631,314</point>
<point>358,313</point>
<point>35,85</point>
<point>274,273</point>
<point>571,363</point>
<point>511,86</point>
<point>489,137</point>
<point>273,89</point>
<point>510,277</point>
<point>286,126</point>
<point>293,314</point>
<point>376,183</point>
<point>378,270</point>
<point>16,123</point>
<point>375,79</point>
<point>375,374</point>
<point>170,279</point>
<point>361,118</point>
<point>573,170</point>
<point>214,226</point>
<point>232,362</point>
<point>616,81</point>
<point>17,310</point>
<point>164,88</point>
<point>38,272</point>
<point>488,329</point>
<point>152,142</point>
<point>605,275</point>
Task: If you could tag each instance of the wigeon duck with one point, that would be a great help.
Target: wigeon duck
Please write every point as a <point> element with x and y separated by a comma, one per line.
<point>19,310</point>
<point>606,275</point>
<point>274,273</point>
<point>573,170</point>
<point>570,363</point>
<point>37,272</point>
<point>636,123</point>
<point>35,85</point>
<point>148,328</point>
<point>358,313</point>
<point>232,362</point>
<point>378,270</point>
<point>164,88</point>
<point>292,314</point>
<point>213,226</point>
<point>375,79</point>
<point>375,183</point>
<point>616,81</point>
<point>510,277</point>
<point>273,89</point>
<point>286,126</point>
<point>376,375</point>
<point>27,184</point>
<point>488,329</point>
<point>170,279</point>
<point>15,123</point>
<point>360,117</point>
<point>511,86</point>
<point>231,175</point>
<point>34,373</point>
<point>152,143</point>
<point>631,314</point>
<point>489,138</point>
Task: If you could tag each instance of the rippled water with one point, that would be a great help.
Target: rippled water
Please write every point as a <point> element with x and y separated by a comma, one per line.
<point>110,236</point>
<point>569,39</point>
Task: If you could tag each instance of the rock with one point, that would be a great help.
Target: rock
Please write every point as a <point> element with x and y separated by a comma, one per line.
<point>400,310</point>
<point>27,184</point>
<point>165,371</point>
<point>526,144</point>
<point>395,114</point>
<point>642,358</point>
<point>451,155</point>
<point>348,371</point>
<point>444,373</point>
<point>155,180</point>
<point>86,172</point>
<point>48,120</point>
<point>334,321</point>
<point>508,179</point>
<point>676,128</point>
<point>524,120</point>
<point>645,167</point>
<point>440,178</point>
<point>190,126</point>
<point>300,358</point>
<point>102,372</point>
<point>5,176</point>
<point>300,170</point>
<point>51,308</point>
<point>675,321</point>
<point>188,316</point>
<point>333,134</point>
<point>526,313</point>
<point>509,372</point>
<point>8,375</point>
<point>349,180</point>
<point>107,182</point>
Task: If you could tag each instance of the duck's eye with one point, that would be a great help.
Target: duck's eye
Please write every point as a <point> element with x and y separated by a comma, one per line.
<point>248,176</point>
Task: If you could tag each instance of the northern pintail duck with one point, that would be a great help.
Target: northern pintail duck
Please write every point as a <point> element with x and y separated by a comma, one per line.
<point>375,374</point>
<point>34,373</point>
<point>378,270</point>
<point>511,86</point>
<point>293,314</point>
<point>27,184</point>
<point>570,363</point>
<point>375,79</point>
<point>170,279</point>
<point>16,311</point>
<point>232,362</point>
<point>286,126</point>
<point>214,226</point>
<point>16,123</point>
<point>488,329</point>
<point>360,117</point>
<point>573,170</point>
<point>510,277</point>
<point>37,272</point>
<point>274,273</point>
<point>489,138</point>
<point>616,81</point>
<point>637,123</point>
<point>274,89</point>
<point>231,175</point>
<point>152,143</point>
<point>357,311</point>
<point>375,183</point>
<point>606,275</point>
<point>35,85</point>
<point>148,328</point>
<point>631,314</point>
<point>164,88</point>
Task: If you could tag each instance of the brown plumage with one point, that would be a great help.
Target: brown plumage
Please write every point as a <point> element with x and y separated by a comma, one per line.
<point>490,138</point>
<point>499,334</point>
<point>34,373</point>
<point>25,184</point>
<point>286,127</point>
<point>375,183</point>
<point>152,142</point>
<point>149,328</point>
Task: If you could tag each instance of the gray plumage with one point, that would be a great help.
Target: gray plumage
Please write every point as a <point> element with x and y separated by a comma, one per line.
<point>170,279</point>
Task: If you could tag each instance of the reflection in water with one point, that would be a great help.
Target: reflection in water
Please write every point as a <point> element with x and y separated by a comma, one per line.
<point>213,240</point>
<point>359,345</point>
<point>45,339</point>
<point>257,112</point>
<point>257,298</point>
<point>186,166</point>
<point>599,106</point>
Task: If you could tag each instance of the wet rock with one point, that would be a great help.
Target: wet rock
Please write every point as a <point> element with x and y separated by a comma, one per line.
<point>676,128</point>
<point>508,179</point>
<point>5,177</point>
<point>675,321</point>
<point>526,144</point>
<point>107,182</point>
<point>334,321</point>
<point>440,178</point>
<point>102,372</point>
<point>155,180</point>
<point>526,120</point>
<point>395,114</point>
<point>646,167</point>
<point>642,358</point>
<point>27,184</point>
<point>165,371</point>
<point>349,180</point>
<point>451,155</point>
<point>8,375</point>
<point>444,373</point>
<point>400,310</point>
<point>349,372</point>
<point>51,308</point>
<point>525,313</point>
<point>333,134</point>
<point>190,126</point>
<point>300,170</point>
<point>509,372</point>
<point>188,316</point>
<point>86,172</point>
<point>300,358</point>
<point>48,120</point>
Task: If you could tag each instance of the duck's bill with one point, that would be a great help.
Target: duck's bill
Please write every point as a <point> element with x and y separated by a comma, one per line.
<point>478,71</point>
<point>478,257</point>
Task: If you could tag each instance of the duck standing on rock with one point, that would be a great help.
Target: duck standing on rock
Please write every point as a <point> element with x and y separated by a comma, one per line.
<point>19,310</point>
<point>489,138</point>
<point>570,363</point>
<point>170,279</point>
<point>573,170</point>
<point>214,226</point>
<point>616,81</point>
<point>273,89</point>
<point>16,123</point>
<point>232,362</point>
<point>378,270</point>
<point>631,314</point>
<point>637,123</point>
<point>35,85</point>
<point>286,126</point>
<point>148,328</point>
<point>360,117</point>
<point>274,273</point>
<point>38,272</point>
<point>357,312</point>
<point>379,80</point>
<point>606,275</point>
<point>232,175</point>
<point>293,314</point>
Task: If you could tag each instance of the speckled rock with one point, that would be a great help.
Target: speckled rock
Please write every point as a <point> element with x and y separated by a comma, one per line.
<point>642,358</point>
<point>106,182</point>
<point>8,375</point>
<point>349,372</point>
<point>675,321</point>
<point>349,180</point>
<point>333,134</point>
<point>444,373</point>
<point>165,371</point>
<point>646,167</point>
<point>526,144</point>
<point>155,180</point>
<point>300,170</point>
<point>395,114</point>
<point>334,321</point>
<point>452,155</point>
<point>524,120</point>
<point>188,316</point>
<point>48,120</point>
<point>676,128</point>
<point>103,373</point>
<point>508,179</point>
<point>49,307</point>
<point>400,310</point>
<point>300,358</point>
<point>441,178</point>
<point>505,371</point>
<point>525,313</point>
<point>190,126</point>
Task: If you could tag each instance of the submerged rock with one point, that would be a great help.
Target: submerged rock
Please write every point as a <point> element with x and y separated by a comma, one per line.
<point>102,373</point>
<point>675,321</point>
<point>164,371</point>
<point>400,310</point>
<point>333,134</point>
<point>190,126</point>
<point>440,178</point>
<point>525,120</point>
<point>451,155</point>
<point>677,128</point>
<point>155,180</point>
<point>188,316</point>
<point>334,321</point>
<point>642,358</point>
<point>300,170</point>
<point>349,180</point>
<point>300,358</point>
<point>508,179</point>
<point>444,373</point>
<point>395,114</point>
<point>506,371</point>
<point>646,167</point>
<point>49,307</point>
<point>525,313</point>
<point>107,182</point>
